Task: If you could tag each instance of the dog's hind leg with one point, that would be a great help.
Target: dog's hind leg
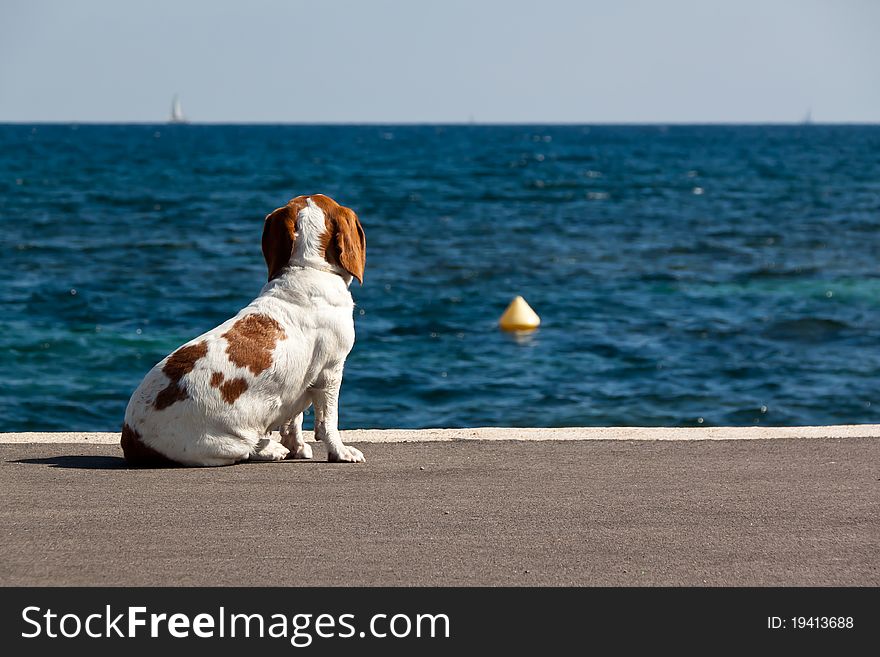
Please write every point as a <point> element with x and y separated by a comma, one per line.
<point>267,449</point>
<point>215,450</point>
<point>292,439</point>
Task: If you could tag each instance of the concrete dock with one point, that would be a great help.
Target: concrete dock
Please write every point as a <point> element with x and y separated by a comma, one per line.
<point>753,506</point>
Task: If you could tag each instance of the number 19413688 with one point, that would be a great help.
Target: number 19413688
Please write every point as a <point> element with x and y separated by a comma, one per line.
<point>810,622</point>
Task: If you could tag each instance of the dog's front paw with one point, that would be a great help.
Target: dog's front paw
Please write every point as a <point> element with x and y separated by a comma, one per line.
<point>346,454</point>
<point>303,452</point>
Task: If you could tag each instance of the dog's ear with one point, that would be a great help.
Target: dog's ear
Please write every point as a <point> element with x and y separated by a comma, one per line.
<point>279,233</point>
<point>351,243</point>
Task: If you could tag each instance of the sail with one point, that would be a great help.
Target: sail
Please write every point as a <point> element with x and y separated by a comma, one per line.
<point>177,112</point>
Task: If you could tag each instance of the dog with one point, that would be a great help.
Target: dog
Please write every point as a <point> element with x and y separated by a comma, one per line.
<point>216,400</point>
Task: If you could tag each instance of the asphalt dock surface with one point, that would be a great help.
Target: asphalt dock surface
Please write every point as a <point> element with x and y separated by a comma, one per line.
<point>784,512</point>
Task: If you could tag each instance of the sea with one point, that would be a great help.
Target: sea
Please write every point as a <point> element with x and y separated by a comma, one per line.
<point>684,275</point>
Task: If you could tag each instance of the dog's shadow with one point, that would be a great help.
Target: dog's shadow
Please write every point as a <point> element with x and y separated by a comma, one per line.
<point>80,462</point>
<point>88,462</point>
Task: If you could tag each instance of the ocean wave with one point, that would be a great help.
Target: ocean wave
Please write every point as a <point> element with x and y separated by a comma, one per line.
<point>807,329</point>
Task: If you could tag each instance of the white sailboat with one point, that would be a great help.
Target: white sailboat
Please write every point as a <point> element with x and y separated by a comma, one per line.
<point>177,112</point>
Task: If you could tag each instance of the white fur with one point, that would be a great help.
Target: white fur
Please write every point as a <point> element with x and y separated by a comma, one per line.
<point>312,303</point>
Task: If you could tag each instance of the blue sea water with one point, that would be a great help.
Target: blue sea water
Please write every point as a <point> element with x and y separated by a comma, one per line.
<point>685,275</point>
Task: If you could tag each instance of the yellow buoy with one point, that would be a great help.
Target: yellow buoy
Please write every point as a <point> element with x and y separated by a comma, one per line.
<point>519,316</point>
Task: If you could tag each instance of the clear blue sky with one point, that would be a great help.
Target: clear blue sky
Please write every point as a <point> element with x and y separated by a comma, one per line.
<point>450,61</point>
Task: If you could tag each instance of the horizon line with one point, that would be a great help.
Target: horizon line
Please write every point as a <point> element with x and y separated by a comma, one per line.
<point>442,123</point>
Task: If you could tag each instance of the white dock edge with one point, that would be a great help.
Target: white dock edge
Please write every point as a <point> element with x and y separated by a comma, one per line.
<point>519,433</point>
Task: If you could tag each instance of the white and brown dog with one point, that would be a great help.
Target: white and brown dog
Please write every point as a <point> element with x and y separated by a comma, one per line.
<point>216,400</point>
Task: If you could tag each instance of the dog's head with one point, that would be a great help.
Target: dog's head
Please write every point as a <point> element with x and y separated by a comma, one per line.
<point>315,231</point>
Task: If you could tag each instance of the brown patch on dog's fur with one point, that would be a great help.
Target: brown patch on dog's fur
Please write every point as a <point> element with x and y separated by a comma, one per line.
<point>329,207</point>
<point>179,364</point>
<point>279,232</point>
<point>252,340</point>
<point>182,361</point>
<point>136,453</point>
<point>231,390</point>
<point>169,395</point>
<point>343,243</point>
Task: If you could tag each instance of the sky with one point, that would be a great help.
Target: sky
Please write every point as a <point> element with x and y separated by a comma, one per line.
<point>397,61</point>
